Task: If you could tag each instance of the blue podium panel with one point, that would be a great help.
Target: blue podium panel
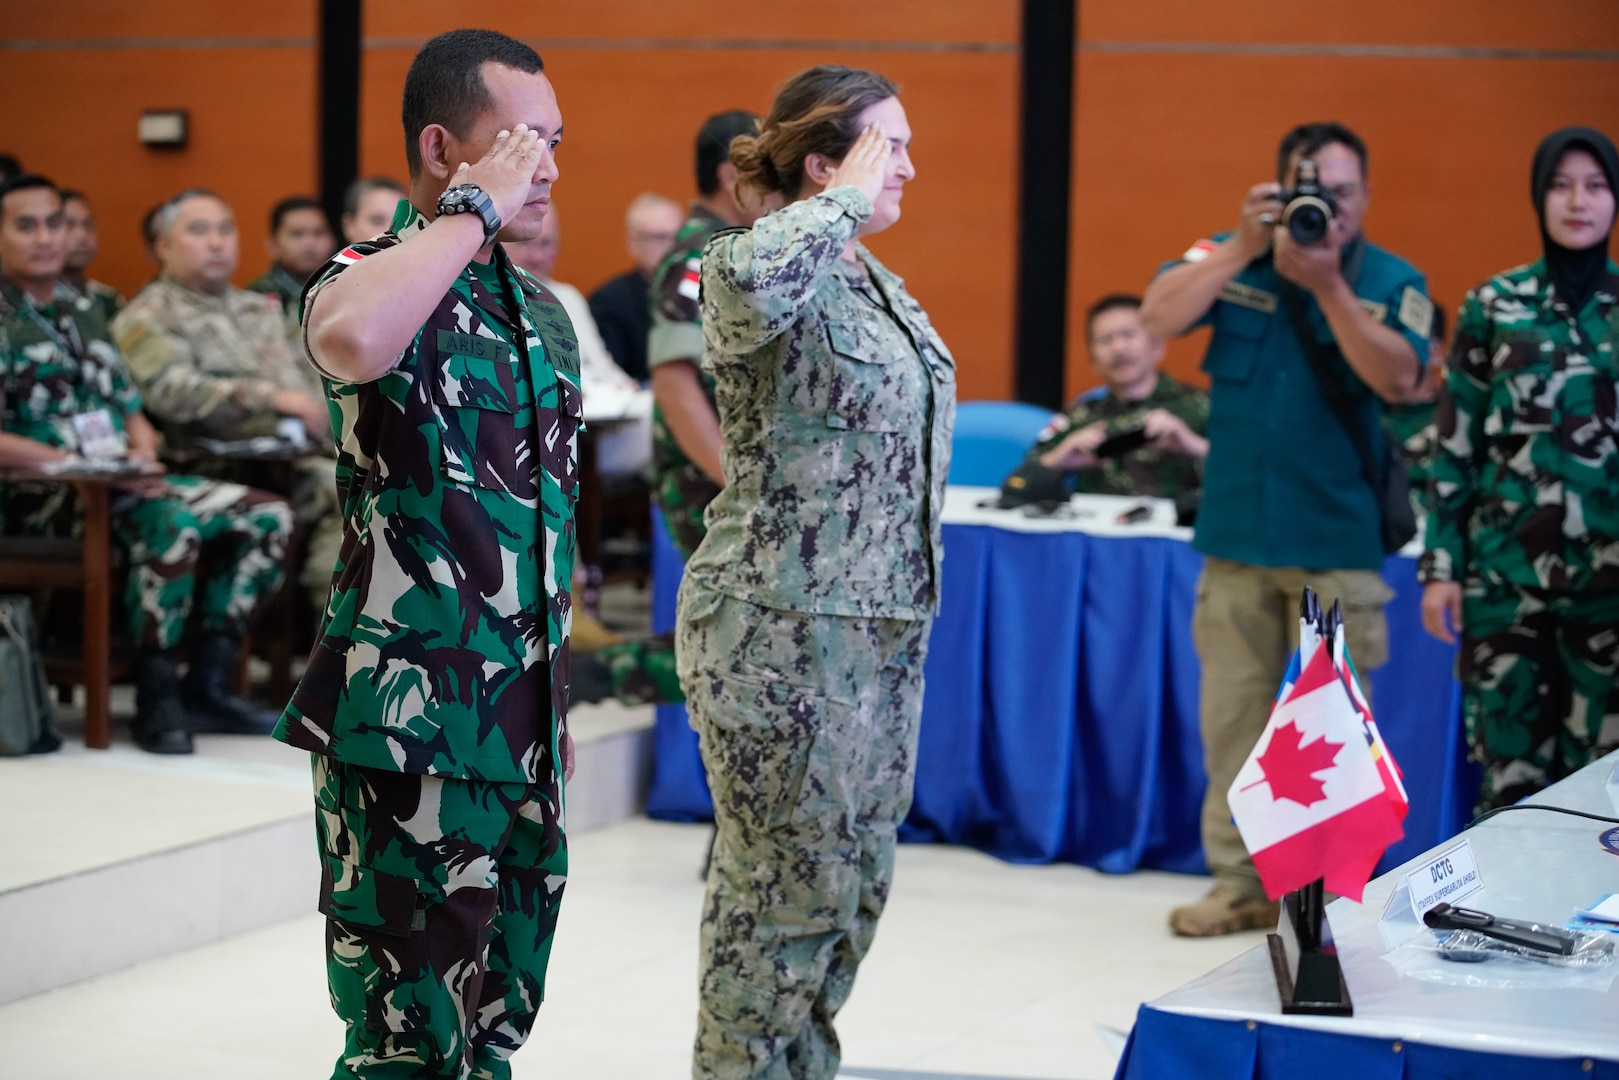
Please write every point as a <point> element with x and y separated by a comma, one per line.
<point>1059,717</point>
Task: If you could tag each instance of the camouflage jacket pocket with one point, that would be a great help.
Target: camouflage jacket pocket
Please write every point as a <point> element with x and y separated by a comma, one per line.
<point>1528,383</point>
<point>869,390</point>
<point>386,903</point>
<point>480,426</point>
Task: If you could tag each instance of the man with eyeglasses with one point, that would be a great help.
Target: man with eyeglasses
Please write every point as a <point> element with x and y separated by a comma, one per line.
<point>620,304</point>
<point>1289,486</point>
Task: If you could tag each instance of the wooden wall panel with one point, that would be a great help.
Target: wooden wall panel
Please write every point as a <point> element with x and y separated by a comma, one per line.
<point>71,114</point>
<point>1167,143</point>
<point>141,23</point>
<point>720,24</point>
<point>631,114</point>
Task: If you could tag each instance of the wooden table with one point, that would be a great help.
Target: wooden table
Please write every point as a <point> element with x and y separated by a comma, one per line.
<point>84,563</point>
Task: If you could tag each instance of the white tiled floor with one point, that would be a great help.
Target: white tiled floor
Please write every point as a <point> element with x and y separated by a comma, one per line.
<point>980,968</point>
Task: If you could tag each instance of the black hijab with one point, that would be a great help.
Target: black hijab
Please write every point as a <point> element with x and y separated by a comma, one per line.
<point>1574,274</point>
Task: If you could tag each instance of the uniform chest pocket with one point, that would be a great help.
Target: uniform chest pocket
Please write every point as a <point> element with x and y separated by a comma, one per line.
<point>870,386</point>
<point>1528,385</point>
<point>1239,332</point>
<point>483,430</point>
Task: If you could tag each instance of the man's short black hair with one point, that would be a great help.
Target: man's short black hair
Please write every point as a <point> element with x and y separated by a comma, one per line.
<point>70,194</point>
<point>359,189</point>
<point>445,82</point>
<point>24,182</point>
<point>1110,302</point>
<point>714,145</point>
<point>9,167</point>
<point>292,204</point>
<point>1437,330</point>
<point>1307,139</point>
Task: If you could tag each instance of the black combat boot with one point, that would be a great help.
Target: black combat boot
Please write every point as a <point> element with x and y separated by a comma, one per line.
<point>209,700</point>
<point>160,718</point>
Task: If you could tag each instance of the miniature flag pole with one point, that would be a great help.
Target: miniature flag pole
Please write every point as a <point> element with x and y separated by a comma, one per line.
<point>1317,802</point>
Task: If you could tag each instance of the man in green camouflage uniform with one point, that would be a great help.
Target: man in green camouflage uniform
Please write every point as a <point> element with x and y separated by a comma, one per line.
<point>805,612</point>
<point>83,243</point>
<point>685,427</point>
<point>1174,416</point>
<point>435,699</point>
<point>64,393</point>
<point>214,361</point>
<point>300,242</point>
<point>1524,518</point>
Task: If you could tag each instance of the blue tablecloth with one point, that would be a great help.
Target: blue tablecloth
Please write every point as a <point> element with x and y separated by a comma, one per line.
<point>1415,1018</point>
<point>1060,716</point>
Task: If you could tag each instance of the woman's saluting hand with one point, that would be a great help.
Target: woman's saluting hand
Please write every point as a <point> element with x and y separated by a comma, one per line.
<point>864,166</point>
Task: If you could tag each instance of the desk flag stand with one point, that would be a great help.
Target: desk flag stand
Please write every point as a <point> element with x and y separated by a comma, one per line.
<point>1302,954</point>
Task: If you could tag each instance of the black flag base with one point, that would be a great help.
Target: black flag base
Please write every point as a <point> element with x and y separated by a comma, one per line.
<point>1304,959</point>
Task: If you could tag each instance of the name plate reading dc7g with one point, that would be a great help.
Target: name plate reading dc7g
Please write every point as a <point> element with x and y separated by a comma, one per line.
<point>1447,878</point>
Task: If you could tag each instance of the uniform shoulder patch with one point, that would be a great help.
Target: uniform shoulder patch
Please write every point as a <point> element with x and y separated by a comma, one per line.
<point>1199,251</point>
<point>1416,312</point>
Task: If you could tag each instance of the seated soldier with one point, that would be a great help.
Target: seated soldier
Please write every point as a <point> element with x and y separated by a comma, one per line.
<point>65,394</point>
<point>83,243</point>
<point>1164,419</point>
<point>214,361</point>
<point>368,208</point>
<point>299,243</point>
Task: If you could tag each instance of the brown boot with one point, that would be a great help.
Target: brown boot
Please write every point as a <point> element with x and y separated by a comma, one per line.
<point>589,635</point>
<point>1224,911</point>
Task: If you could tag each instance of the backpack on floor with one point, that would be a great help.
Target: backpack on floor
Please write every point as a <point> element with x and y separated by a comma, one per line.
<point>25,700</point>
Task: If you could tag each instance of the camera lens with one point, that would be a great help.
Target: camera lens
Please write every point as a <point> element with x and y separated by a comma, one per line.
<point>1307,224</point>
<point>1307,218</point>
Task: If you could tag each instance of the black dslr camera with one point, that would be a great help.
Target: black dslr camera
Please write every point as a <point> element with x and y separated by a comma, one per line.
<point>1308,208</point>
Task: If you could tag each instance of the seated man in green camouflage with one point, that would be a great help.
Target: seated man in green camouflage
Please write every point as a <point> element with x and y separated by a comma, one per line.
<point>299,243</point>
<point>214,361</point>
<point>1172,417</point>
<point>64,394</point>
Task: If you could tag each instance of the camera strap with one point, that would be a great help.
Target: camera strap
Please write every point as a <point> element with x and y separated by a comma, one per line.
<point>1321,359</point>
<point>1383,475</point>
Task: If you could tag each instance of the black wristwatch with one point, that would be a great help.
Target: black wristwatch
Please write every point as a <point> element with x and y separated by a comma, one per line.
<point>471,199</point>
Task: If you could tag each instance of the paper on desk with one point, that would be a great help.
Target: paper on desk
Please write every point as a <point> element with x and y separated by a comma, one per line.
<point>1605,910</point>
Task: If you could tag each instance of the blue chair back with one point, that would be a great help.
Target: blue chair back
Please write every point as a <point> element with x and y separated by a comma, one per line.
<point>991,440</point>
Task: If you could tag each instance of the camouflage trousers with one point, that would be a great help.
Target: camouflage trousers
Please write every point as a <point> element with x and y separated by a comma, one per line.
<point>643,672</point>
<point>309,485</point>
<point>808,725</point>
<point>1539,694</point>
<point>182,531</point>
<point>441,900</point>
<point>181,534</point>
<point>683,493</point>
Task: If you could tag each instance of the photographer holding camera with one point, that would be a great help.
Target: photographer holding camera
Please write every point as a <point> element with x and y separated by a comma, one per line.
<point>1312,325</point>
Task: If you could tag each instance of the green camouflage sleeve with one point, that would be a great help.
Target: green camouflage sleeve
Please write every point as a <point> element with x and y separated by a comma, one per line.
<point>1459,447</point>
<point>1193,408</point>
<point>756,281</point>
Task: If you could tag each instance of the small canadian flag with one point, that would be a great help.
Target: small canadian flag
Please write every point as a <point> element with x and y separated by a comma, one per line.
<point>1319,796</point>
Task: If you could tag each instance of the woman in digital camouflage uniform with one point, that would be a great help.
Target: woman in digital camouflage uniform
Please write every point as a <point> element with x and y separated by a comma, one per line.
<point>805,612</point>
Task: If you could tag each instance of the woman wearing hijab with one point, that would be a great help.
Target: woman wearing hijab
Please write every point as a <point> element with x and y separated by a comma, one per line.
<point>804,614</point>
<point>1523,525</point>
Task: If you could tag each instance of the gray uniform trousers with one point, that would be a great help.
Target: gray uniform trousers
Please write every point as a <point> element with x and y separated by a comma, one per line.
<point>808,726</point>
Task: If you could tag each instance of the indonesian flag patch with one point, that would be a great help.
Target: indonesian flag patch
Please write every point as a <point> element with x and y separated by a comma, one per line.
<point>1199,251</point>
<point>691,281</point>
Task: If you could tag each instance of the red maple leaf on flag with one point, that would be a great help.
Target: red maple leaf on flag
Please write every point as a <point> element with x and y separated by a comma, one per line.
<point>1290,768</point>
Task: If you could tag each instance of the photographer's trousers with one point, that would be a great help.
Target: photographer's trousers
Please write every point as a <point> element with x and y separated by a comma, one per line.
<point>808,726</point>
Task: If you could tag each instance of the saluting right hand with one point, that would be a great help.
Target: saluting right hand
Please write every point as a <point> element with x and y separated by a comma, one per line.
<point>506,171</point>
<point>864,166</point>
<point>1261,209</point>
